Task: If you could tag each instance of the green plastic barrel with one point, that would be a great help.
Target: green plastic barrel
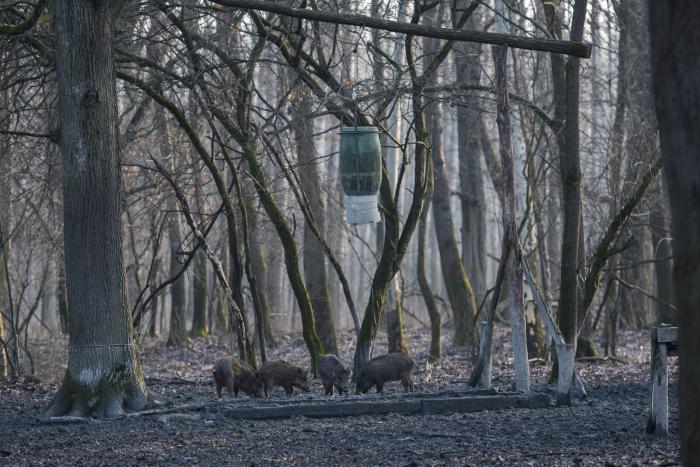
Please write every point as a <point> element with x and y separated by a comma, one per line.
<point>360,160</point>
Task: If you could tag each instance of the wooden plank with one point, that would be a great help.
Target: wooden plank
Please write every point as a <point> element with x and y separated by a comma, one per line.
<point>416,406</point>
<point>666,334</point>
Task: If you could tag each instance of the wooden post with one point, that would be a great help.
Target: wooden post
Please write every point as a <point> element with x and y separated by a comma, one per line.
<point>565,358</point>
<point>657,421</point>
<point>485,349</point>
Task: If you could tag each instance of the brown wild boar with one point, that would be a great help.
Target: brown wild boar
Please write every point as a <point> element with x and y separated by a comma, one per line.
<point>391,367</point>
<point>236,375</point>
<point>333,373</point>
<point>280,373</point>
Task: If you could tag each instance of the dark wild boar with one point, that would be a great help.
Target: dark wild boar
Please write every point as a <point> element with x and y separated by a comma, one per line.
<point>280,373</point>
<point>236,375</point>
<point>391,367</point>
<point>333,373</point>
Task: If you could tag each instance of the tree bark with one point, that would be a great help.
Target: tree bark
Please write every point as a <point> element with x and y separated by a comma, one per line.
<point>314,258</point>
<point>675,36</point>
<point>5,220</point>
<point>200,296</point>
<point>435,354</point>
<point>459,288</point>
<point>471,155</point>
<point>514,271</point>
<point>566,109</point>
<point>577,49</point>
<point>104,374</point>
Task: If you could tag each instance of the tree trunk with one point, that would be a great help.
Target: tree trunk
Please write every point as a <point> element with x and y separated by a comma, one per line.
<point>435,354</point>
<point>471,155</point>
<point>675,38</point>
<point>177,335</point>
<point>566,109</point>
<point>314,257</point>
<point>394,311</point>
<point>200,295</point>
<point>514,271</point>
<point>459,288</point>
<point>104,374</point>
<point>5,212</point>
<point>663,255</point>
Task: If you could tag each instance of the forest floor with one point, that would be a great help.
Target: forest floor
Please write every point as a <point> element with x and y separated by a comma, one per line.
<point>608,428</point>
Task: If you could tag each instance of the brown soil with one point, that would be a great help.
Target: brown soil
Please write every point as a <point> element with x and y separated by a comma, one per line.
<point>607,428</point>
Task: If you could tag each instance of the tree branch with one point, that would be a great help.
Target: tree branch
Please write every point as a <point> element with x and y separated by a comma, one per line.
<point>577,49</point>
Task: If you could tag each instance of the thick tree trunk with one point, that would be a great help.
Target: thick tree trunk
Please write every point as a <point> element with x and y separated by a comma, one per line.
<point>62,293</point>
<point>663,255</point>
<point>104,373</point>
<point>675,39</point>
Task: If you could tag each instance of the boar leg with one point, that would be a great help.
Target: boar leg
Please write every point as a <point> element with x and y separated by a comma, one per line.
<point>218,390</point>
<point>329,389</point>
<point>236,390</point>
<point>289,389</point>
<point>407,384</point>
<point>338,388</point>
<point>380,388</point>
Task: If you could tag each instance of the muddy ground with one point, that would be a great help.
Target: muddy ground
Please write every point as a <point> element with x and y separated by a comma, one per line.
<point>606,428</point>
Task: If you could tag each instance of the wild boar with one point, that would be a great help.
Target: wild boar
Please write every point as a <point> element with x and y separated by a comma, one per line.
<point>333,373</point>
<point>280,373</point>
<point>236,375</point>
<point>391,367</point>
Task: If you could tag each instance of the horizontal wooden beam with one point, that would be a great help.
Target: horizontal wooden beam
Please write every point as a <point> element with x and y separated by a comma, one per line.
<point>577,49</point>
<point>666,334</point>
<point>409,406</point>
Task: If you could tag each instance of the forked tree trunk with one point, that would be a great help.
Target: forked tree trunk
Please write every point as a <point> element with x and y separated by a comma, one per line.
<point>675,39</point>
<point>104,374</point>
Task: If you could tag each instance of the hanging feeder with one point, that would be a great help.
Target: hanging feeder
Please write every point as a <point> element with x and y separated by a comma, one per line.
<point>360,172</point>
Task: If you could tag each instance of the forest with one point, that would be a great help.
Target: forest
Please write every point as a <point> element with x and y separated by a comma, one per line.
<point>337,232</point>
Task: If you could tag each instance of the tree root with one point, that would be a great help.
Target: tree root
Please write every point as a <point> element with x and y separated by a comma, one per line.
<point>69,406</point>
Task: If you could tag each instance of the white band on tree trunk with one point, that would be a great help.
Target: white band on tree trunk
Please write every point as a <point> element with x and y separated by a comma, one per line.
<point>362,209</point>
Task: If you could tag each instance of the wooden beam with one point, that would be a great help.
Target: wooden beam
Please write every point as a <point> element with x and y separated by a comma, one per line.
<point>424,405</point>
<point>577,49</point>
<point>667,334</point>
